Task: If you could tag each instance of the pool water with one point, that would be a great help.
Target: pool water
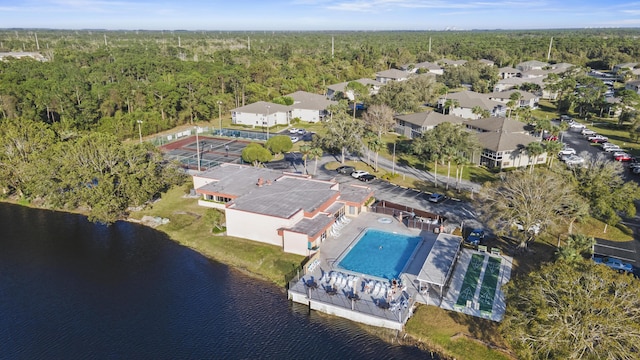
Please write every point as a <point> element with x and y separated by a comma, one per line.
<point>379,253</point>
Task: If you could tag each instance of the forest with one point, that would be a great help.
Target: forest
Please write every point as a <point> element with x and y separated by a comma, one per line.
<point>107,80</point>
<point>73,111</point>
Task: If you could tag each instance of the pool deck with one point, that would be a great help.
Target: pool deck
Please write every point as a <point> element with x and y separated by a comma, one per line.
<point>373,308</point>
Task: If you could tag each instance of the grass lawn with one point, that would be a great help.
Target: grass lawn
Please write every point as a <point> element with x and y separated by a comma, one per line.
<point>189,226</point>
<point>457,335</point>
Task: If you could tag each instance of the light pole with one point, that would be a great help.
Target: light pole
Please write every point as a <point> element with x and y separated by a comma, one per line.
<point>140,129</point>
<point>268,108</point>
<point>220,115</point>
<point>198,148</point>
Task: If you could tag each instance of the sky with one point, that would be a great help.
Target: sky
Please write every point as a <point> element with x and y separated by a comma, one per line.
<point>318,14</point>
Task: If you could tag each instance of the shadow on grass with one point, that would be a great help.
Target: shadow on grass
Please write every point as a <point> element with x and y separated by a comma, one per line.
<point>486,331</point>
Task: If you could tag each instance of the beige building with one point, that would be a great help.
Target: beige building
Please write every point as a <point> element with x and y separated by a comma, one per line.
<point>292,211</point>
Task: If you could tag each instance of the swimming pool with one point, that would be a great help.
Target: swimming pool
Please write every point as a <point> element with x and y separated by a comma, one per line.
<point>380,253</point>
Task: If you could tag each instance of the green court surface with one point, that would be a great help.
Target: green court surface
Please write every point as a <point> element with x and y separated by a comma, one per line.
<point>471,279</point>
<point>489,284</point>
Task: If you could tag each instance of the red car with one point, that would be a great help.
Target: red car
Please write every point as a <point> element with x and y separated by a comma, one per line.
<point>622,157</point>
<point>598,139</point>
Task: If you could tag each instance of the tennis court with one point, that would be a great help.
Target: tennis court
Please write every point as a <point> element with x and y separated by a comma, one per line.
<point>213,151</point>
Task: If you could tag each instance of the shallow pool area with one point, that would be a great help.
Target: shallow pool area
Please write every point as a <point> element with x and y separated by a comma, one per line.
<point>379,253</point>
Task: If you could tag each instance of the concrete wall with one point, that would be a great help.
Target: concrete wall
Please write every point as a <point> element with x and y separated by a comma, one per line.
<point>259,120</point>
<point>256,227</point>
<point>354,315</point>
<point>296,243</point>
<point>199,182</point>
<point>211,204</point>
<point>306,115</point>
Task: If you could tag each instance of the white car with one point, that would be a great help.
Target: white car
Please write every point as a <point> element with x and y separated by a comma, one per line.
<point>573,160</point>
<point>576,125</point>
<point>535,228</point>
<point>294,139</point>
<point>567,151</point>
<point>587,132</point>
<point>614,148</point>
<point>293,131</point>
<point>356,174</point>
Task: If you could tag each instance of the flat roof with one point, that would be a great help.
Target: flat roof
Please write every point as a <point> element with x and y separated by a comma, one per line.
<point>355,193</point>
<point>236,180</point>
<point>286,196</point>
<point>312,226</point>
<point>440,260</point>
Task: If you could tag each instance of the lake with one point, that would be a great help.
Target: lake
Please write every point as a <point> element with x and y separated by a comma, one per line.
<point>71,289</point>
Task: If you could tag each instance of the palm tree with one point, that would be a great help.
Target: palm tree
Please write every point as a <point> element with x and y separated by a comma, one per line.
<point>451,104</point>
<point>316,153</point>
<point>376,145</point>
<point>460,161</point>
<point>552,148</point>
<point>305,150</point>
<point>483,113</point>
<point>534,149</point>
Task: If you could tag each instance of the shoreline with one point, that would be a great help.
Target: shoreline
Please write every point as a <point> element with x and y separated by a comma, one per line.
<point>195,236</point>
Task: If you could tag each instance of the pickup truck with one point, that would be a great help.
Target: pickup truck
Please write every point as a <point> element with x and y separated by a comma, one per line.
<point>614,263</point>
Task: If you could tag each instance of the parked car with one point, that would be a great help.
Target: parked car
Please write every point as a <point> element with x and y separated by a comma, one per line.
<point>565,118</point>
<point>302,131</point>
<point>436,198</point>
<point>293,131</point>
<point>615,148</point>
<point>567,151</point>
<point>597,139</point>
<point>356,174</point>
<point>573,160</point>
<point>347,170</point>
<point>587,132</point>
<point>622,157</point>
<point>615,264</point>
<point>576,125</point>
<point>475,237</point>
<point>366,177</point>
<point>549,137</point>
<point>295,139</point>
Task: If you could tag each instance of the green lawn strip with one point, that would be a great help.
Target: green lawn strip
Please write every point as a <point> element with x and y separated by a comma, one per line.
<point>471,279</point>
<point>489,284</point>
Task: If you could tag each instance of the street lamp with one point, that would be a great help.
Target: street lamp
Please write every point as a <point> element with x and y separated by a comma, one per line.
<point>140,129</point>
<point>268,108</point>
<point>198,148</point>
<point>220,115</point>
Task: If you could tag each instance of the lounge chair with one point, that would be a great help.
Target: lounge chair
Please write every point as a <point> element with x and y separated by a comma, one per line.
<point>333,278</point>
<point>376,289</point>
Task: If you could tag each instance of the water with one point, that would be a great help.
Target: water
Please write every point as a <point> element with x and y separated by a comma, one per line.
<point>379,253</point>
<point>70,289</point>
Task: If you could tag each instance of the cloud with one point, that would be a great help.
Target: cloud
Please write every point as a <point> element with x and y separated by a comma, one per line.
<point>389,5</point>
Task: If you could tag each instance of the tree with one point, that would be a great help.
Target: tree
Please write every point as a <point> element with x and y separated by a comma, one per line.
<point>577,248</point>
<point>256,154</point>
<point>445,142</point>
<point>379,118</point>
<point>552,148</point>
<point>305,150</point>
<point>576,310</point>
<point>534,149</point>
<point>601,182</point>
<point>315,152</point>
<point>279,144</point>
<point>343,134</point>
<point>450,104</point>
<point>483,113</point>
<point>358,90</point>
<point>528,200</point>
